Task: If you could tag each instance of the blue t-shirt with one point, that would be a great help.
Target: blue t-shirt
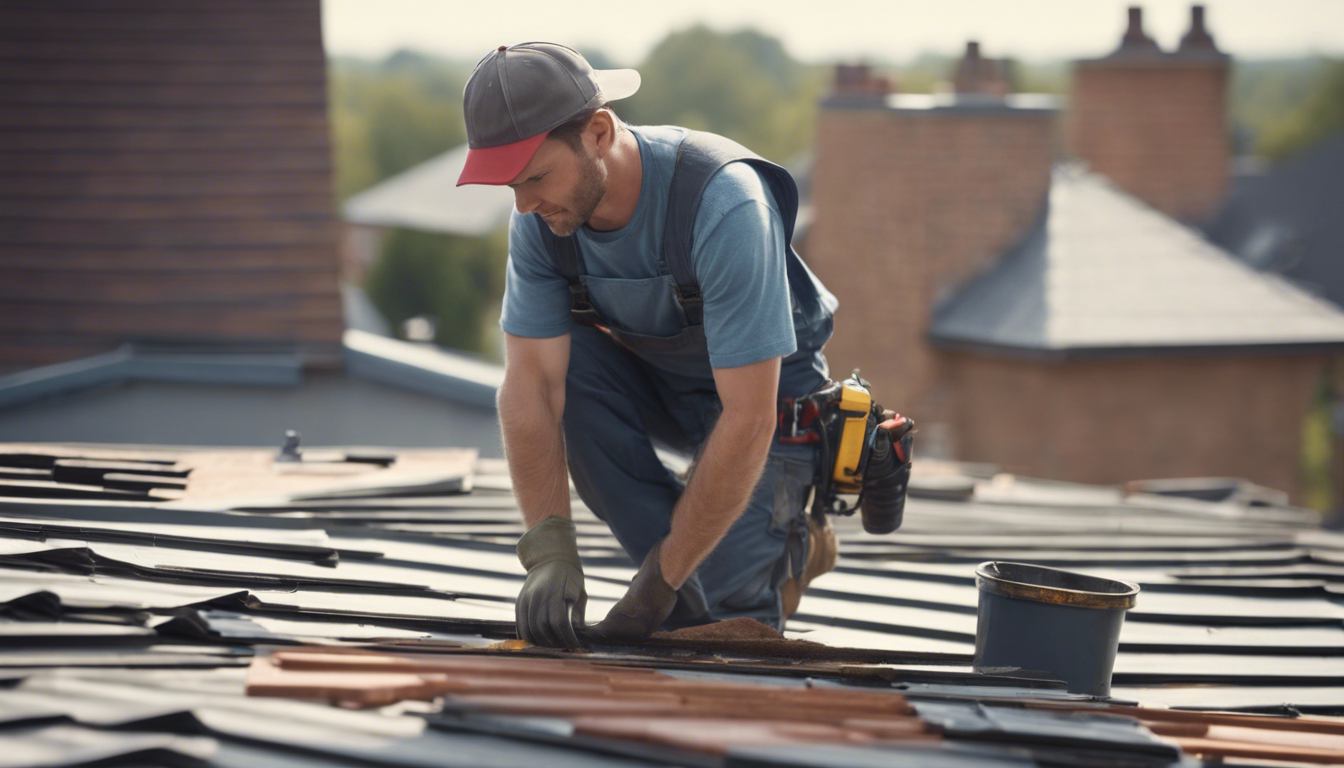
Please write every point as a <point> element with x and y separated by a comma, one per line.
<point>738,252</point>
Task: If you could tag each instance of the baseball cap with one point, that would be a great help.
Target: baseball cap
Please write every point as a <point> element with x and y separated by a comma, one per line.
<point>517,95</point>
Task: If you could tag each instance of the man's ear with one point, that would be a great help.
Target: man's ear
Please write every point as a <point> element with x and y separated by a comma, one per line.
<point>601,132</point>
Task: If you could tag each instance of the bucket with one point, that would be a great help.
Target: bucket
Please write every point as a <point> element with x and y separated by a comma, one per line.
<point>1037,619</point>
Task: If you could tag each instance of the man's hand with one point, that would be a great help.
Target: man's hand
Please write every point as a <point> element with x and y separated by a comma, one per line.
<point>553,599</point>
<point>643,608</point>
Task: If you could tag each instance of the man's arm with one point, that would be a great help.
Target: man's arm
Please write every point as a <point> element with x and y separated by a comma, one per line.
<point>531,403</point>
<point>728,468</point>
<point>552,601</point>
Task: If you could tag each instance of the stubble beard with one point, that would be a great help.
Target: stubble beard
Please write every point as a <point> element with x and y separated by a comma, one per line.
<point>588,192</point>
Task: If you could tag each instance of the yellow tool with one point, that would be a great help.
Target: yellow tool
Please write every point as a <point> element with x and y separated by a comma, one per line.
<point>853,411</point>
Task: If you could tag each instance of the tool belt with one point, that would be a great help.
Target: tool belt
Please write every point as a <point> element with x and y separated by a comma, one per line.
<point>864,449</point>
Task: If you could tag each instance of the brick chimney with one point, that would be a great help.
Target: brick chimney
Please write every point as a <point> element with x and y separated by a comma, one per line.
<point>1155,122</point>
<point>857,84</point>
<point>912,194</point>
<point>976,74</point>
<point>168,180</point>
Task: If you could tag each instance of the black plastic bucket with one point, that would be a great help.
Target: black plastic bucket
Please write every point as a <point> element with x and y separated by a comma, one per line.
<point>1034,619</point>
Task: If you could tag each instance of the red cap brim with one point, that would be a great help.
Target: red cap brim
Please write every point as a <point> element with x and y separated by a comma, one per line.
<point>499,165</point>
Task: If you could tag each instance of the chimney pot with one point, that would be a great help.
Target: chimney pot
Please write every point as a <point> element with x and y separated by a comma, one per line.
<point>1134,39</point>
<point>972,49</point>
<point>1197,40</point>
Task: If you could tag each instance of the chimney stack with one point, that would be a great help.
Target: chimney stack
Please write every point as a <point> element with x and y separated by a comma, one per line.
<point>912,196</point>
<point>1156,123</point>
<point>858,84</point>
<point>978,75</point>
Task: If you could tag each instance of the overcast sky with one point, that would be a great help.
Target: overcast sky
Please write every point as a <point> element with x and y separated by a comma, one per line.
<point>829,30</point>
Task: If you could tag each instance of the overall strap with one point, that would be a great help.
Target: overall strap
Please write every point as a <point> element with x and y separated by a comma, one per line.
<point>700,156</point>
<point>568,262</point>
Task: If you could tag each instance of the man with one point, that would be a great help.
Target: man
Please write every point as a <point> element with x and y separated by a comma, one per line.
<point>621,330</point>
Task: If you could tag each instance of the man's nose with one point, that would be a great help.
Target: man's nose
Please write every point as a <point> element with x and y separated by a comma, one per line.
<point>524,202</point>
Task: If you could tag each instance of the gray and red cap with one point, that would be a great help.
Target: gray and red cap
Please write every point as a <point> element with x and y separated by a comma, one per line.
<point>517,95</point>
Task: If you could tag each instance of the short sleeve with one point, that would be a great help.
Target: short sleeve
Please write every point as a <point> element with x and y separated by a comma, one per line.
<point>740,258</point>
<point>536,296</point>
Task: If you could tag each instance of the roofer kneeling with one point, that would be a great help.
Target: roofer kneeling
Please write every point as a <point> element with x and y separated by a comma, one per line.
<point>653,296</point>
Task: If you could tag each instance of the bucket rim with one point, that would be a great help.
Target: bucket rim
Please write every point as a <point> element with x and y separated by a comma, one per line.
<point>987,579</point>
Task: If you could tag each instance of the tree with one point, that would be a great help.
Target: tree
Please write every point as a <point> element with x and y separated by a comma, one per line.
<point>743,85</point>
<point>1320,116</point>
<point>452,280</point>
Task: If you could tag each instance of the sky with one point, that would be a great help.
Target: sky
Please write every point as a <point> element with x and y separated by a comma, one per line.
<point>816,31</point>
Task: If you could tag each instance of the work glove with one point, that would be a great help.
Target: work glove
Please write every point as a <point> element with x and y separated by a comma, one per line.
<point>553,599</point>
<point>643,608</point>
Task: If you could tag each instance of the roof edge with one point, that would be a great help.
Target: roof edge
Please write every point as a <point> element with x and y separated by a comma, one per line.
<point>431,371</point>
<point>128,364</point>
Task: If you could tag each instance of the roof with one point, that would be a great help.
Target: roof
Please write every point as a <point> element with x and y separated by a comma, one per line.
<point>386,392</point>
<point>1286,221</point>
<point>147,623</point>
<point>427,197</point>
<point>1101,271</point>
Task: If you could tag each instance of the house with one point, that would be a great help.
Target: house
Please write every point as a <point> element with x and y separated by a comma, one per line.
<point>1026,280</point>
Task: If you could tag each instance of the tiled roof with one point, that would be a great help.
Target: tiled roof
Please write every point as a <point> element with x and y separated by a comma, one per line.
<point>181,628</point>
<point>1102,271</point>
<point>1286,220</point>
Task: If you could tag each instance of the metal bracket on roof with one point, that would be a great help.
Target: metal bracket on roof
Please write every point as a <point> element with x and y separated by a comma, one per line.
<point>289,451</point>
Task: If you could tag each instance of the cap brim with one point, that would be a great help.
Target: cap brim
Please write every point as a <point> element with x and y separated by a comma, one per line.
<point>616,83</point>
<point>499,165</point>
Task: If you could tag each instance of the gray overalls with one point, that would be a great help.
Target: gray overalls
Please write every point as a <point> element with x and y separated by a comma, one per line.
<point>625,390</point>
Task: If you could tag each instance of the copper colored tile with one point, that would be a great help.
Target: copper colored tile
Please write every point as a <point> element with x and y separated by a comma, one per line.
<point>1281,738</point>
<point>572,706</point>
<point>893,728</point>
<point>1216,748</point>
<point>350,689</point>
<point>717,736</point>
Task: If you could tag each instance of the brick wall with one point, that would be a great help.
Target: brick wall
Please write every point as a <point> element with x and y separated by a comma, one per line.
<point>908,204</point>
<point>166,175</point>
<point>1108,421</point>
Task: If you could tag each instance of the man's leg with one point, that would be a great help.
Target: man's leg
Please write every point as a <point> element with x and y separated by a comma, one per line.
<point>612,407</point>
<point>767,546</point>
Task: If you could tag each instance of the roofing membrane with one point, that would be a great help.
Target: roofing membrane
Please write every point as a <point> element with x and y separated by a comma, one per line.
<point>221,625</point>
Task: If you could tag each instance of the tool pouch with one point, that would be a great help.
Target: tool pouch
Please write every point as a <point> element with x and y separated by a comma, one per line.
<point>886,479</point>
<point>864,449</point>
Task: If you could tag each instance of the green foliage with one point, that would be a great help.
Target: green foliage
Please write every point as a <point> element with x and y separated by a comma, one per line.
<point>1262,92</point>
<point>743,85</point>
<point>1318,451</point>
<point>393,115</point>
<point>450,279</point>
<point>1320,115</point>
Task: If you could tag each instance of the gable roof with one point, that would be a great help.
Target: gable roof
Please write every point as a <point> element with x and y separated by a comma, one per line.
<point>427,197</point>
<point>1287,220</point>
<point>1102,272</point>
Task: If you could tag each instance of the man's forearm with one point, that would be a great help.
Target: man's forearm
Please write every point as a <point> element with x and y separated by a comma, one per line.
<point>535,447</point>
<point>724,479</point>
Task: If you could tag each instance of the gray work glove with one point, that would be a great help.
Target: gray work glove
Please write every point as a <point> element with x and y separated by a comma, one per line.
<point>553,599</point>
<point>643,608</point>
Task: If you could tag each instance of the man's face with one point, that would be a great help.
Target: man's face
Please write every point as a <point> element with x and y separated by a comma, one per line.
<point>564,186</point>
